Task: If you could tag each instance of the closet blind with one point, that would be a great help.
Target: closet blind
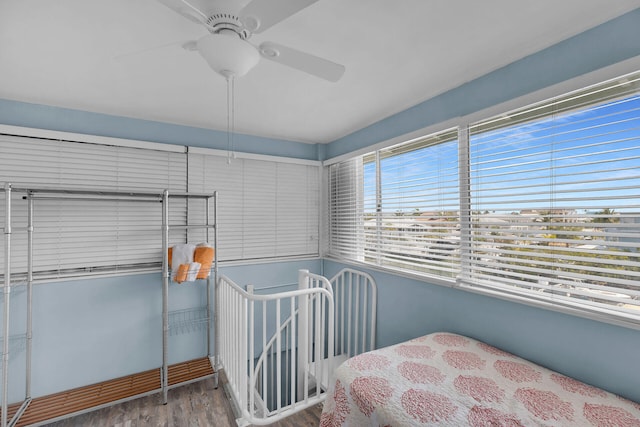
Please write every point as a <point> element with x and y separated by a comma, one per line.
<point>555,197</point>
<point>82,236</point>
<point>267,209</point>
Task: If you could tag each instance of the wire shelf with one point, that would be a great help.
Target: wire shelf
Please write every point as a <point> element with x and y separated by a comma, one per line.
<point>188,320</point>
<point>184,281</point>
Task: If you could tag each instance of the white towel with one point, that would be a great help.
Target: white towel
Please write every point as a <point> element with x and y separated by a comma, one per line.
<point>194,268</point>
<point>181,254</point>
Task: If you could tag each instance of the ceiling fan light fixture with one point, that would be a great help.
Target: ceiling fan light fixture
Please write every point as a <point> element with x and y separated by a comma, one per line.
<point>227,54</point>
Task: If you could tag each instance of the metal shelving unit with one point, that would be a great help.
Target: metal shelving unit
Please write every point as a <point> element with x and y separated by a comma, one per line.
<point>22,341</point>
<point>177,321</point>
<point>190,318</point>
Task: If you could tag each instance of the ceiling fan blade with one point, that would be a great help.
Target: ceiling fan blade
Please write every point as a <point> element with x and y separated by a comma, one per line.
<point>188,45</point>
<point>186,9</point>
<point>259,15</point>
<point>302,61</point>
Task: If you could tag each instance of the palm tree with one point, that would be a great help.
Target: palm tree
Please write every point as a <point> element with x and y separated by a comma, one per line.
<point>606,216</point>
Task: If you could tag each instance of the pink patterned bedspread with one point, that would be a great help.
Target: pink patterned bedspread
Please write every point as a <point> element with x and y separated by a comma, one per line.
<point>449,380</point>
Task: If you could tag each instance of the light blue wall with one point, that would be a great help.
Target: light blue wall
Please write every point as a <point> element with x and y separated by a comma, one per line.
<point>91,330</point>
<point>607,44</point>
<point>87,331</point>
<point>261,275</point>
<point>66,120</point>
<point>596,353</point>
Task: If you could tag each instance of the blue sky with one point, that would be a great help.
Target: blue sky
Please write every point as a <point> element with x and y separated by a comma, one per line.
<point>579,155</point>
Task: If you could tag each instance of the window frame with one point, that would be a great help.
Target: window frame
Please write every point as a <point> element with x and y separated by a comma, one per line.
<point>465,207</point>
<point>384,201</point>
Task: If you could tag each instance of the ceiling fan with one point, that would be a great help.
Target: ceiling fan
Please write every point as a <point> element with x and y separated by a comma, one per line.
<point>227,49</point>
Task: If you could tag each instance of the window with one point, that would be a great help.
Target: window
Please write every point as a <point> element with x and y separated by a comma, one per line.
<point>268,209</point>
<point>555,200</point>
<point>81,237</point>
<point>398,207</point>
<point>540,205</point>
<point>346,210</point>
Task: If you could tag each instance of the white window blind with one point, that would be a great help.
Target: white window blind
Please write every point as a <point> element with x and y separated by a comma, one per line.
<point>418,225</point>
<point>267,209</point>
<point>346,209</point>
<point>85,235</point>
<point>539,205</point>
<point>399,207</point>
<point>555,198</point>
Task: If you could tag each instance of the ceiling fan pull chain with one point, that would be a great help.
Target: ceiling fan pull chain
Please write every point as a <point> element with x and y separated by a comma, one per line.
<point>230,118</point>
<point>233,117</point>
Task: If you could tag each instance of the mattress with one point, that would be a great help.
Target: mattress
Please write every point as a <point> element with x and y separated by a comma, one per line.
<point>445,379</point>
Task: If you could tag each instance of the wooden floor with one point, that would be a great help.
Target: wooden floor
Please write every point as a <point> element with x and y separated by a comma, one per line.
<point>194,405</point>
<point>61,404</point>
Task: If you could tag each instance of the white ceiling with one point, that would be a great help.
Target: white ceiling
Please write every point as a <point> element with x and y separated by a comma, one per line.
<point>124,57</point>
